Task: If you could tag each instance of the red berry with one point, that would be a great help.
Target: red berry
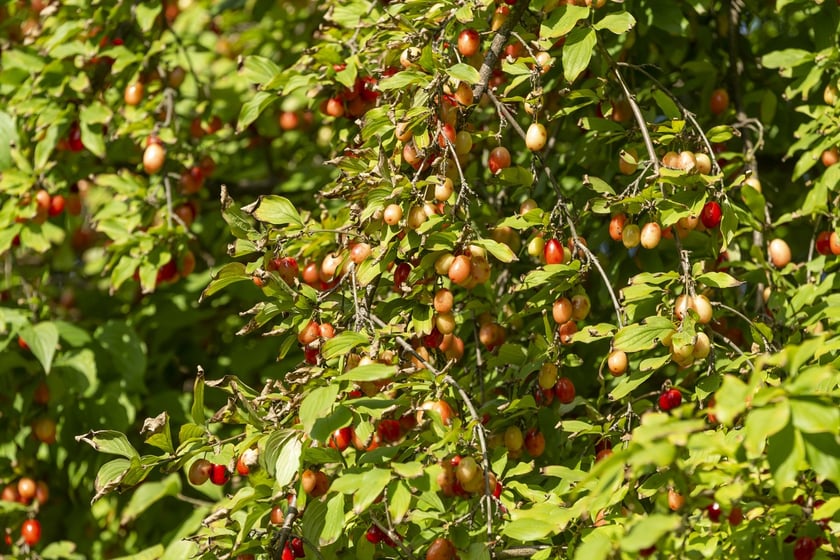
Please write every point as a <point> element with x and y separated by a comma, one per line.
<point>374,534</point>
<point>564,390</point>
<point>670,399</point>
<point>56,205</point>
<point>468,42</point>
<point>31,531</point>
<point>341,438</point>
<point>823,243</point>
<point>804,548</point>
<point>297,547</point>
<point>711,215</point>
<point>74,138</point>
<point>219,475</point>
<point>553,252</point>
<point>714,511</point>
<point>401,274</point>
<point>288,554</point>
<point>389,430</point>
<point>736,516</point>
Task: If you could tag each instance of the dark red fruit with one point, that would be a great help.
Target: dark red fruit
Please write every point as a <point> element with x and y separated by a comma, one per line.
<point>219,475</point>
<point>736,516</point>
<point>823,243</point>
<point>670,399</point>
<point>288,554</point>
<point>74,138</point>
<point>433,339</point>
<point>564,390</point>
<point>389,430</point>
<point>57,205</point>
<point>401,274</point>
<point>714,511</point>
<point>711,215</point>
<point>374,535</point>
<point>804,548</point>
<point>311,354</point>
<point>297,547</point>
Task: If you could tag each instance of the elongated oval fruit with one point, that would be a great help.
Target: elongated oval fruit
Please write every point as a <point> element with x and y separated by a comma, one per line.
<point>536,137</point>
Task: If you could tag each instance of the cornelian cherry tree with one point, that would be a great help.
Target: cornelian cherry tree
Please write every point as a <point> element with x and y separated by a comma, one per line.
<point>540,279</point>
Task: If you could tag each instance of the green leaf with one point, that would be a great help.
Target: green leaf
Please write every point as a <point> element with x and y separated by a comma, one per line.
<point>823,451</point>
<point>45,147</point>
<point>8,138</point>
<point>252,108</point>
<point>598,185</point>
<point>146,14</point>
<point>333,520</point>
<point>93,138</point>
<point>644,335</point>
<point>259,70</point>
<point>366,486</point>
<point>762,423</point>
<point>786,58</point>
<point>499,250</point>
<point>342,344</point>
<point>317,404</point>
<point>649,530</point>
<point>730,399</point>
<point>160,434</point>
<point>720,133</point>
<point>561,21</point>
<point>718,280</point>
<point>149,494</point>
<point>813,416</point>
<point>197,409</point>
<point>229,274</point>
<point>127,352</point>
<point>288,461</point>
<point>404,79</point>
<point>43,341</point>
<point>109,441</point>
<point>785,455</point>
<point>464,73</point>
<point>369,372</point>
<point>617,22</point>
<point>276,210</point>
<point>577,52</point>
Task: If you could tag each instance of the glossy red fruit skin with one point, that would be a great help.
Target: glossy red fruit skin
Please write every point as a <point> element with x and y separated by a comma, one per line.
<point>389,430</point>
<point>296,545</point>
<point>341,438</point>
<point>31,531</point>
<point>804,548</point>
<point>714,512</point>
<point>401,274</point>
<point>823,243</point>
<point>711,215</point>
<point>288,554</point>
<point>374,535</point>
<point>553,252</point>
<point>74,138</point>
<point>670,399</point>
<point>564,390</point>
<point>219,475</point>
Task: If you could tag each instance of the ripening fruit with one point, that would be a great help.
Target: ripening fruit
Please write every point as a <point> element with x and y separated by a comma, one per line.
<point>651,235</point>
<point>628,161</point>
<point>464,94</point>
<point>133,93</point>
<point>42,201</point>
<point>57,205</point>
<point>534,443</point>
<point>711,214</point>
<point>702,346</point>
<point>580,307</point>
<point>468,42</point>
<point>830,156</point>
<point>309,333</point>
<point>561,311</point>
<point>547,376</point>
<point>671,160</point>
<point>779,252</point>
<point>153,158</point>
<point>567,331</point>
<point>499,159</point>
<point>617,223</point>
<point>544,61</point>
<point>467,471</point>
<point>703,307</point>
<point>334,107</point>
<point>416,217</point>
<point>199,472</point>
<point>536,137</point>
<point>341,438</point>
<point>686,161</point>
<point>553,252</point>
<point>631,235</point>
<point>514,438</point>
<point>444,190</point>
<point>443,301</point>
<point>670,399</point>
<point>441,549</point>
<point>830,94</point>
<point>804,548</point>
<point>392,214</point>
<point>834,243</point>
<point>704,163</point>
<point>460,270</point>
<point>30,531</point>
<point>617,362</point>
<point>823,243</point>
<point>675,500</point>
<point>719,101</point>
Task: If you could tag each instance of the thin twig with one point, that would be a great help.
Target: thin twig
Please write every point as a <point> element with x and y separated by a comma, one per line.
<point>479,428</point>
